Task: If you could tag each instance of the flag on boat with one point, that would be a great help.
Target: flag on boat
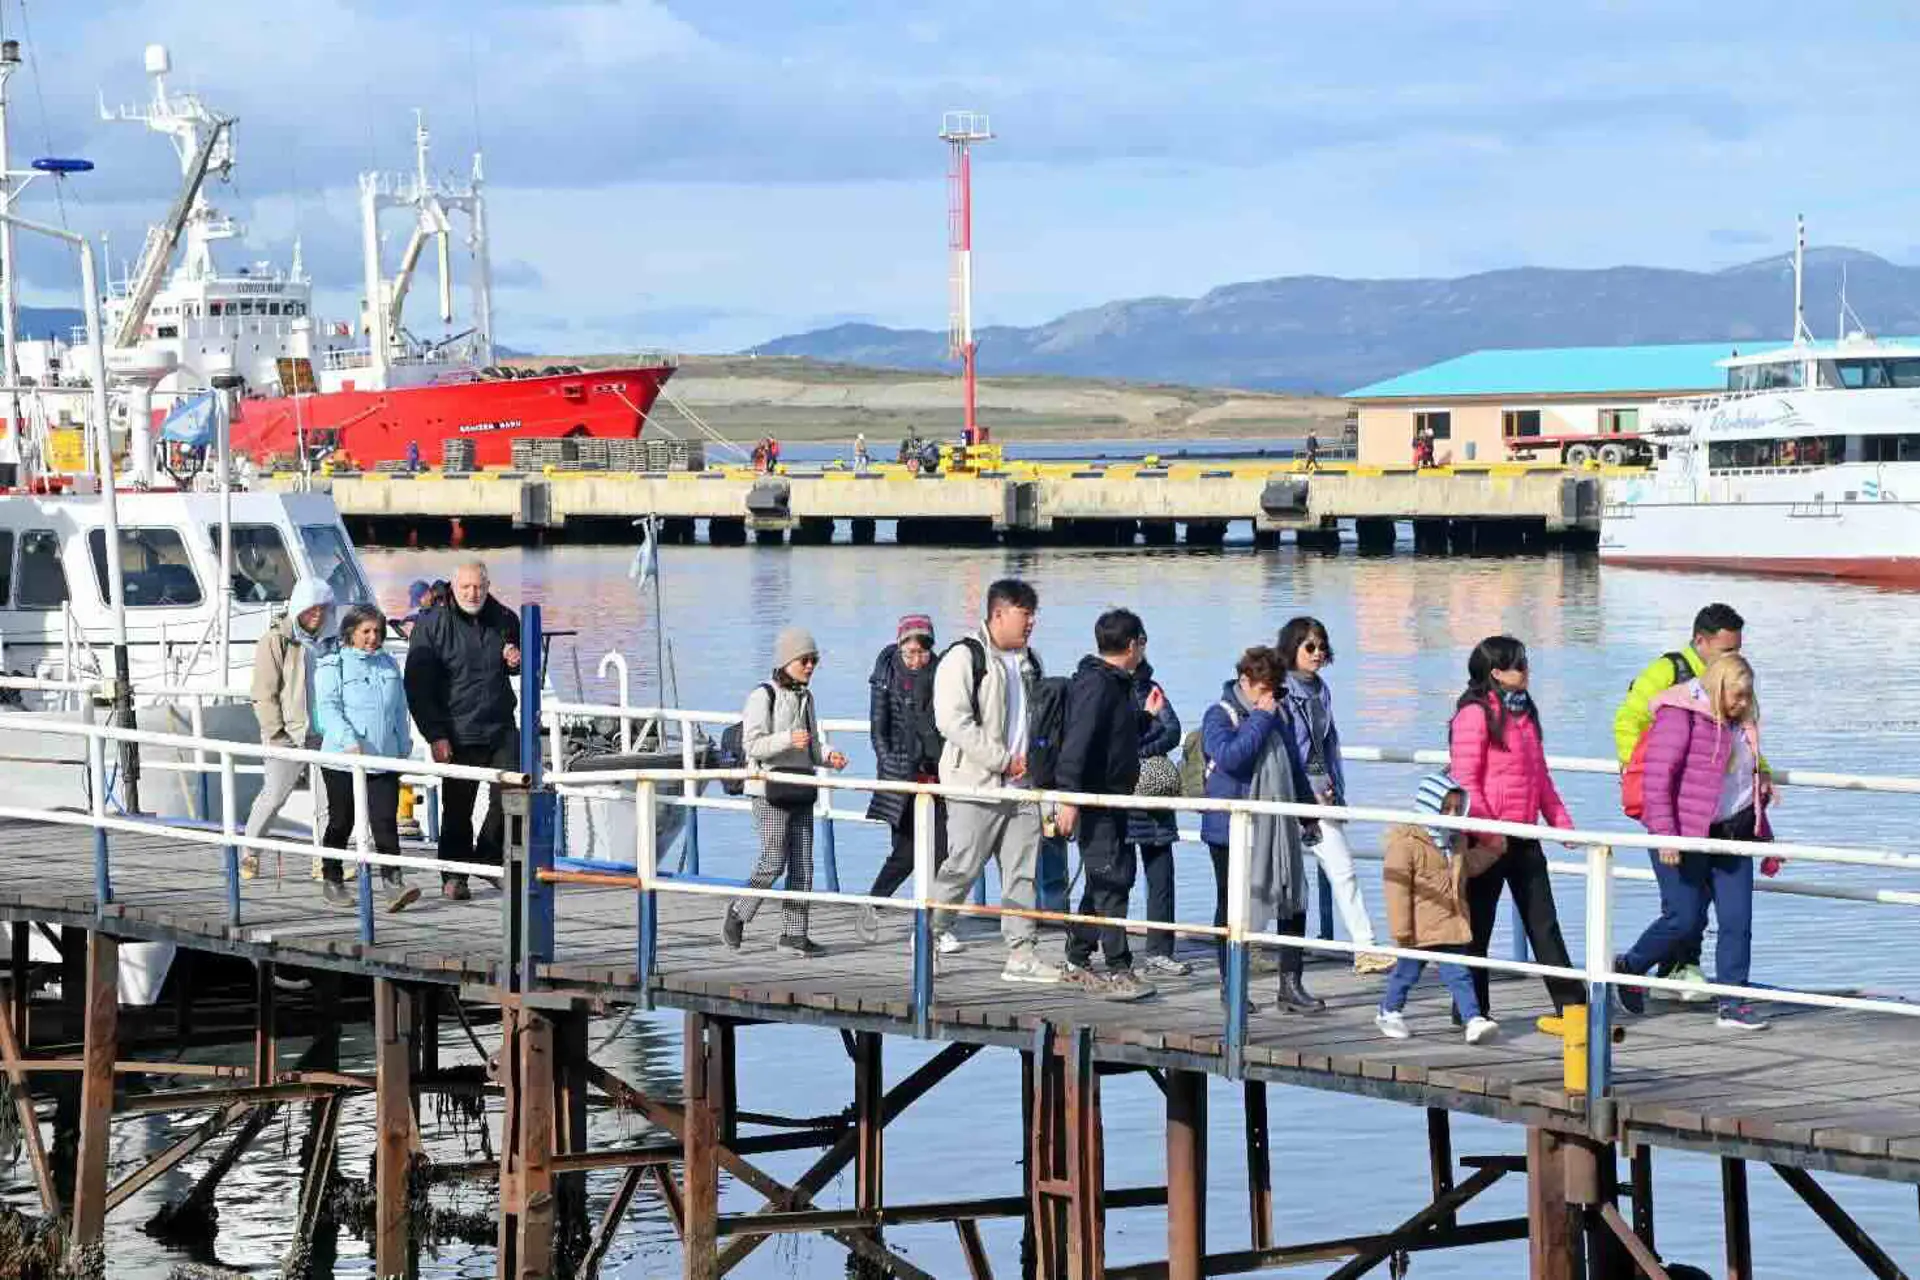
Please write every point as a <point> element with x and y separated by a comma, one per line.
<point>646,558</point>
<point>190,422</point>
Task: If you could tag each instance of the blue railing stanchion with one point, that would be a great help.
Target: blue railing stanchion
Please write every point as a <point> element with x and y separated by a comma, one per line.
<point>922,915</point>
<point>230,853</point>
<point>646,857</point>
<point>541,814</point>
<point>1239,856</point>
<point>1599,966</point>
<point>829,854</point>
<point>102,870</point>
<point>363,843</point>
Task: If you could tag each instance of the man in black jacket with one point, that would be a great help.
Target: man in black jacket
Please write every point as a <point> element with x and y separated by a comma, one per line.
<point>1100,754</point>
<point>461,659</point>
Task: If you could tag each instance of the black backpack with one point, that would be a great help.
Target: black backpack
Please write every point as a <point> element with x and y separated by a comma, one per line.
<point>1682,669</point>
<point>1046,712</point>
<point>732,755</point>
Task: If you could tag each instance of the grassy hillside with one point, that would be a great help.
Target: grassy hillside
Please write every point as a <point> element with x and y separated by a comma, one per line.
<point>795,398</point>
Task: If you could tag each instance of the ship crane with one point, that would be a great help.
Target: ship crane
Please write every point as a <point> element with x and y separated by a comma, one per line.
<point>163,239</point>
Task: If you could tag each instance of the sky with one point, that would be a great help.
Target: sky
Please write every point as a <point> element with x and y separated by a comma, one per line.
<point>702,177</point>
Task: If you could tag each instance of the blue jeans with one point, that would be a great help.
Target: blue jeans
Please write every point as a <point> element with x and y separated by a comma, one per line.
<point>1457,977</point>
<point>1719,880</point>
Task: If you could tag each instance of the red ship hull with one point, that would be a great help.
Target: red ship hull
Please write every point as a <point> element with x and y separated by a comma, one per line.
<point>370,427</point>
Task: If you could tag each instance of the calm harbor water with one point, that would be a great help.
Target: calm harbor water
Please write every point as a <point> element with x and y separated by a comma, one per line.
<point>1834,684</point>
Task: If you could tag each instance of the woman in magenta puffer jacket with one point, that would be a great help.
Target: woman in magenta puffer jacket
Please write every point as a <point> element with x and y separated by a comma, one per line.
<point>1496,753</point>
<point>1704,778</point>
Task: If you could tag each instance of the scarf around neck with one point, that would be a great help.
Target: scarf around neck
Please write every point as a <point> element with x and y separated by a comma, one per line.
<point>1277,875</point>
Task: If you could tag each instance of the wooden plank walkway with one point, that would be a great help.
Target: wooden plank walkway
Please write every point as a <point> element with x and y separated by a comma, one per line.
<point>1822,1089</point>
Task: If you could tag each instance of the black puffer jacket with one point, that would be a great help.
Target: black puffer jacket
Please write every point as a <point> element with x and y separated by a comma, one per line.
<point>1158,737</point>
<point>1100,750</point>
<point>905,741</point>
<point>458,685</point>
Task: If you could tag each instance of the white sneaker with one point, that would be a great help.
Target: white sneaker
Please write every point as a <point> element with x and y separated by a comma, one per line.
<point>1392,1024</point>
<point>944,943</point>
<point>1024,966</point>
<point>1480,1029</point>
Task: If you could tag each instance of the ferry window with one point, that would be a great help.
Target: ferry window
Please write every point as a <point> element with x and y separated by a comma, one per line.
<point>155,569</point>
<point>263,571</point>
<point>1439,421</point>
<point>1613,422</point>
<point>6,563</point>
<point>167,331</point>
<point>216,308</point>
<point>1520,422</point>
<point>332,561</point>
<point>1900,448</point>
<point>246,306</point>
<point>273,308</point>
<point>1776,376</point>
<point>1872,375</point>
<point>41,582</point>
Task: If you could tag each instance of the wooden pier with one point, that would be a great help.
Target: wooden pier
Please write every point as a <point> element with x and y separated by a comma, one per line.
<point>1505,506</point>
<point>1822,1092</point>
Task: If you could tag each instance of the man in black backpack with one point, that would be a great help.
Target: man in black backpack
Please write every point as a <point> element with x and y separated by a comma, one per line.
<point>981,693</point>
<point>1100,754</point>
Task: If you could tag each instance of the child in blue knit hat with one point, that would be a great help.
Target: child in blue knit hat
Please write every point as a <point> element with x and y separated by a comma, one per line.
<point>1426,875</point>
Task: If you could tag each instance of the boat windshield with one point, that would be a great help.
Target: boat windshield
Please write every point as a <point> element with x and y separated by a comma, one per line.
<point>263,572</point>
<point>1767,377</point>
<point>1870,373</point>
<point>333,562</point>
<point>155,569</point>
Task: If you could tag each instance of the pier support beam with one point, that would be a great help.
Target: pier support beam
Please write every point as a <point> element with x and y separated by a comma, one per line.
<point>393,1127</point>
<point>1259,1168</point>
<point>700,1142</point>
<point>1374,535</point>
<point>1186,1175</point>
<point>102,996</point>
<point>526,1141</point>
<point>861,530</point>
<point>869,1118</point>
<point>1552,1236</point>
<point>570,1131</point>
<point>1068,1157</point>
<point>1733,1209</point>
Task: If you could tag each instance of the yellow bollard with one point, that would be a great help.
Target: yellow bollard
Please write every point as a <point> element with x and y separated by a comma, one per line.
<point>406,804</point>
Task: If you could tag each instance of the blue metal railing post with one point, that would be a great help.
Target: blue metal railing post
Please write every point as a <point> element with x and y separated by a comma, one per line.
<point>829,855</point>
<point>692,857</point>
<point>1599,964</point>
<point>922,915</point>
<point>1239,857</point>
<point>229,821</point>
<point>362,841</point>
<point>102,868</point>
<point>542,812</point>
<point>646,866</point>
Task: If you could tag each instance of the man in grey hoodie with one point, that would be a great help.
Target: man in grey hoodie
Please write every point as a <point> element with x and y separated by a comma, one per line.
<point>283,661</point>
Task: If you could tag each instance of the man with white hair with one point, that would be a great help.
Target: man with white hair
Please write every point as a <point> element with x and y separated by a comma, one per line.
<point>461,660</point>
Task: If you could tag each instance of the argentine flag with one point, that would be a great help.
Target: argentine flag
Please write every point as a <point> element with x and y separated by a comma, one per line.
<point>190,422</point>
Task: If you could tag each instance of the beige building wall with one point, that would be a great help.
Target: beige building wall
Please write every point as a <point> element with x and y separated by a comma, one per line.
<point>1386,426</point>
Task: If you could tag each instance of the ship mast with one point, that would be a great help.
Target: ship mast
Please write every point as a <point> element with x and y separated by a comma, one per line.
<point>9,318</point>
<point>1801,334</point>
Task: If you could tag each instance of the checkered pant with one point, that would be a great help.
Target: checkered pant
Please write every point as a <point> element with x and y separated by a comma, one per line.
<point>786,844</point>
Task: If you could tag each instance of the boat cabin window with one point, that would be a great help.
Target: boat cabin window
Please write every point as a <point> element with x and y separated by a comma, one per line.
<point>263,571</point>
<point>155,569</point>
<point>1871,374</point>
<point>41,581</point>
<point>333,563</point>
<point>1767,377</point>
<point>1900,448</point>
<point>1803,451</point>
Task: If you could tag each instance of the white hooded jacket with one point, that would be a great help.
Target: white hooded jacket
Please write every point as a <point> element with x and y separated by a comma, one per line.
<point>283,668</point>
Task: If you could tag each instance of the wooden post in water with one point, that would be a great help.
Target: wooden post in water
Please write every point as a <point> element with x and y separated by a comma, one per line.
<point>700,1177</point>
<point>1086,1171</point>
<point>1186,1175</point>
<point>1259,1167</point>
<point>1440,1159</point>
<point>869,1093</point>
<point>263,1023</point>
<point>102,997</point>
<point>534,1247</point>
<point>393,1126</point>
<point>570,1126</point>
<point>1551,1239</point>
<point>1733,1209</point>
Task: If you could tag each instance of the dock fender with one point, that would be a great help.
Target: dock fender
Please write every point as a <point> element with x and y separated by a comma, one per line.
<point>770,496</point>
<point>1284,495</point>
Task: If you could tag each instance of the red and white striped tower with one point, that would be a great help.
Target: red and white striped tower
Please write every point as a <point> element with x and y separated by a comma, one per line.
<point>960,130</point>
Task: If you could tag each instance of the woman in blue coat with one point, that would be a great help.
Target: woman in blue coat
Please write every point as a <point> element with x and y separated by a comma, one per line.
<point>360,704</point>
<point>1249,744</point>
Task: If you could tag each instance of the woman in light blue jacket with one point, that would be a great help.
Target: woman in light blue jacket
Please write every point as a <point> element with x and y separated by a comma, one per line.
<point>361,707</point>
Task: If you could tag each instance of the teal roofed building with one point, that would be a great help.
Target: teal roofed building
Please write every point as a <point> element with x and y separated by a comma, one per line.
<point>1477,402</point>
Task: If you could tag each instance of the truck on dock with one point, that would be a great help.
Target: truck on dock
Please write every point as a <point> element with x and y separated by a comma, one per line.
<point>1613,449</point>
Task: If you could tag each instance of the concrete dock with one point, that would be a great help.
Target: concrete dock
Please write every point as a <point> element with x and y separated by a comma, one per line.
<point>1462,508</point>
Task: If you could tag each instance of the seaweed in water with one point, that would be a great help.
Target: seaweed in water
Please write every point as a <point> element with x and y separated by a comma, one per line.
<point>464,1112</point>
<point>31,1248</point>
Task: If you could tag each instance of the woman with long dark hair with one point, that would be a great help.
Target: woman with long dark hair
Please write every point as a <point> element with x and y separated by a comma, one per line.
<point>1498,755</point>
<point>1305,651</point>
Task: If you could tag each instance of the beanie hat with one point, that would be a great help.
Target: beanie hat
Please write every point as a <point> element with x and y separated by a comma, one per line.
<point>793,642</point>
<point>417,591</point>
<point>1431,797</point>
<point>915,625</point>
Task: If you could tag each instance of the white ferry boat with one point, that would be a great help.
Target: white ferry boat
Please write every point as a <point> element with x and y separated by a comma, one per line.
<point>1808,463</point>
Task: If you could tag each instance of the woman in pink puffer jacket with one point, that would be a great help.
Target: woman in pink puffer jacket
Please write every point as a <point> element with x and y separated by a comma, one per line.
<point>1496,753</point>
<point>1704,778</point>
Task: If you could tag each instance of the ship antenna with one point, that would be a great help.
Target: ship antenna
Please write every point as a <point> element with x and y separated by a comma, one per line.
<point>1801,333</point>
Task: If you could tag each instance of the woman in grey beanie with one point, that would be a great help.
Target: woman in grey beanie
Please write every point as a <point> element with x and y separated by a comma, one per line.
<point>780,733</point>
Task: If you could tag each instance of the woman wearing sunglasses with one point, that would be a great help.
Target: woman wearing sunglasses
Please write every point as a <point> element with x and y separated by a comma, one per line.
<point>1499,757</point>
<point>1304,649</point>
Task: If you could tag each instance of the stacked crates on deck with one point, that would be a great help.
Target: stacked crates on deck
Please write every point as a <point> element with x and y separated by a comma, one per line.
<point>456,455</point>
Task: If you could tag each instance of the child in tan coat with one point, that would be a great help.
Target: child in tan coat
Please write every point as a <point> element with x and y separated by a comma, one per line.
<point>1426,876</point>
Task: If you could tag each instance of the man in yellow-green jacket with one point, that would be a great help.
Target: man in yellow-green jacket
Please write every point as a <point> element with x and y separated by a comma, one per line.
<point>1716,631</point>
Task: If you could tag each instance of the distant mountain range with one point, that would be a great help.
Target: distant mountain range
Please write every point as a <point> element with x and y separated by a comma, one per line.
<point>1318,333</point>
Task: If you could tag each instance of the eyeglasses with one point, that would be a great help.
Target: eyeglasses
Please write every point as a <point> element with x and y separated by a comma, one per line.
<point>808,659</point>
<point>1313,646</point>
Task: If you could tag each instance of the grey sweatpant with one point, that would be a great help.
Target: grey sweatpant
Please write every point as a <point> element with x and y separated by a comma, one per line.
<point>978,831</point>
<point>280,779</point>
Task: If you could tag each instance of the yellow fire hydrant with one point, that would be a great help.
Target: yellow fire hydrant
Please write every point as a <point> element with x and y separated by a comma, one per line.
<point>1570,1025</point>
